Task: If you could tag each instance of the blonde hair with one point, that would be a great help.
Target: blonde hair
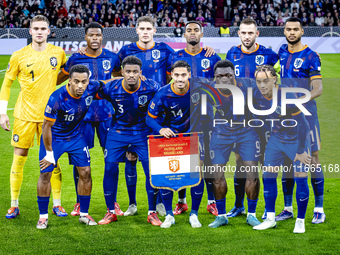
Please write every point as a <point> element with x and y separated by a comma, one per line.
<point>40,18</point>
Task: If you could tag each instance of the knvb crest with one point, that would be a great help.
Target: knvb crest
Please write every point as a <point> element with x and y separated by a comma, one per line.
<point>142,100</point>
<point>195,98</point>
<point>156,54</point>
<point>106,65</point>
<point>88,100</point>
<point>205,63</point>
<point>53,61</point>
<point>298,62</point>
<point>174,165</point>
<point>259,60</point>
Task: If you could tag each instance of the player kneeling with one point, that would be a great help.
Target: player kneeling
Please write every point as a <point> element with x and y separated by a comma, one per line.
<point>63,132</point>
<point>286,141</point>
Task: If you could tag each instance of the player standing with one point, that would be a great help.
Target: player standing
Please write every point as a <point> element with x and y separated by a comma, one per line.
<point>175,109</point>
<point>154,58</point>
<point>130,98</point>
<point>201,66</point>
<point>287,140</point>
<point>300,67</point>
<point>36,66</point>
<point>63,131</point>
<point>227,131</point>
<point>102,64</point>
<point>246,57</point>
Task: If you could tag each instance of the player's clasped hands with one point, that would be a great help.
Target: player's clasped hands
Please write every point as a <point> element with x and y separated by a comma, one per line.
<point>4,122</point>
<point>167,132</point>
<point>303,158</point>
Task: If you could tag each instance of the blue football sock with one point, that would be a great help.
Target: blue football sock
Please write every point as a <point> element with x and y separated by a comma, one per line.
<point>196,196</point>
<point>43,204</point>
<point>76,179</point>
<point>182,193</point>
<point>318,186</point>
<point>159,198</point>
<point>131,180</point>
<point>210,192</point>
<point>240,187</point>
<point>167,197</point>
<point>110,183</point>
<point>270,190</point>
<point>252,205</point>
<point>221,204</point>
<point>151,192</point>
<point>84,203</point>
<point>288,188</point>
<point>302,196</point>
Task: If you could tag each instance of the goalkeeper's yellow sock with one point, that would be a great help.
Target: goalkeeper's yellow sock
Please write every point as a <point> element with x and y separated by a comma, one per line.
<point>56,185</point>
<point>16,176</point>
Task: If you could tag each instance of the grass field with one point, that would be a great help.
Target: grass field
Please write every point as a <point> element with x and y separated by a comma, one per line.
<point>133,235</point>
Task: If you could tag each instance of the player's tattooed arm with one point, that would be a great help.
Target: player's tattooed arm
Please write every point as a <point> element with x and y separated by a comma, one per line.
<point>47,139</point>
<point>210,51</point>
<point>316,86</point>
<point>61,77</point>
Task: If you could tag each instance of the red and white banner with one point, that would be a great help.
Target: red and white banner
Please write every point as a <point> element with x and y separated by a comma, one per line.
<point>174,163</point>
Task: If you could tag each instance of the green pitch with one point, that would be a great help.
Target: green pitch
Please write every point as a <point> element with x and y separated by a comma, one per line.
<point>133,235</point>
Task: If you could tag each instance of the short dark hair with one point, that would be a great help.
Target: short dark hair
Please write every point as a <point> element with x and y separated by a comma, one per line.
<point>145,19</point>
<point>265,69</point>
<point>93,25</point>
<point>79,69</point>
<point>194,22</point>
<point>248,21</point>
<point>294,19</point>
<point>132,60</point>
<point>181,63</point>
<point>224,64</point>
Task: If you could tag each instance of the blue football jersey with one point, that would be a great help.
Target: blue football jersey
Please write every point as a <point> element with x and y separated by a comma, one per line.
<point>67,112</point>
<point>181,112</point>
<point>201,66</point>
<point>246,63</point>
<point>130,107</point>
<point>101,68</point>
<point>285,134</point>
<point>298,69</point>
<point>154,60</point>
<point>226,122</point>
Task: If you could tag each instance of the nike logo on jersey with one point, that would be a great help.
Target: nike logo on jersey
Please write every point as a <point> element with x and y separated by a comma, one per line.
<point>303,199</point>
<point>237,59</point>
<point>164,194</point>
<point>30,65</point>
<point>198,193</point>
<point>69,110</point>
<point>282,59</point>
<point>172,107</point>
<point>318,182</point>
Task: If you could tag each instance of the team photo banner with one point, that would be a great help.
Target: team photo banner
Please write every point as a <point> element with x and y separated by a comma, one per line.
<point>174,163</point>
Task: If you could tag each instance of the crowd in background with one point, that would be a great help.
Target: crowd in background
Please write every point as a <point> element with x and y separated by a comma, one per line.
<point>166,13</point>
<point>276,12</point>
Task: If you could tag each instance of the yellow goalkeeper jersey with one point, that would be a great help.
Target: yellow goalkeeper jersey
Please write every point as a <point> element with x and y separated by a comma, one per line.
<point>37,74</point>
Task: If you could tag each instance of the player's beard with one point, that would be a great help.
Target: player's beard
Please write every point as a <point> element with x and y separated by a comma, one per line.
<point>250,44</point>
<point>293,42</point>
<point>193,43</point>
